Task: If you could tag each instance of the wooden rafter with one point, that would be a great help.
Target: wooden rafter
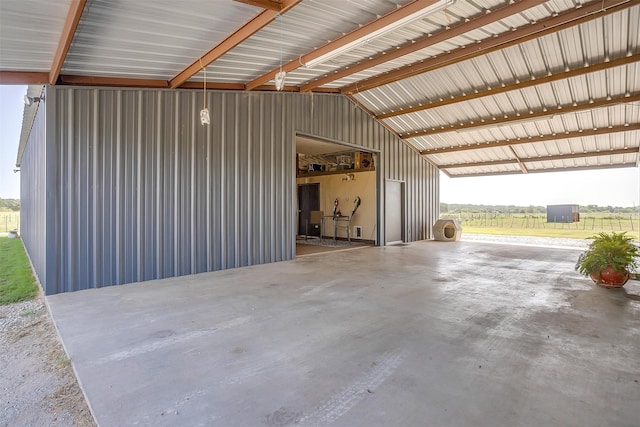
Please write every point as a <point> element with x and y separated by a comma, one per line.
<point>523,168</point>
<point>111,81</point>
<point>246,31</point>
<point>541,158</point>
<point>563,169</point>
<point>23,78</point>
<point>357,34</point>
<point>479,164</point>
<point>592,68</point>
<point>533,139</point>
<point>390,129</point>
<point>71,24</point>
<point>265,4</point>
<point>593,10</point>
<point>523,117</point>
<point>425,42</point>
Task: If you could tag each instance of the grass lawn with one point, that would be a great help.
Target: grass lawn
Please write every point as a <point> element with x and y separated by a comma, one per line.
<point>16,281</point>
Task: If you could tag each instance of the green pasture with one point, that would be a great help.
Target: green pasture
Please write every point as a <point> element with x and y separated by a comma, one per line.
<point>537,225</point>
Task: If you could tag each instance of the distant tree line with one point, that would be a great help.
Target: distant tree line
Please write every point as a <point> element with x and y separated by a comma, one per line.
<point>512,209</point>
<point>10,205</point>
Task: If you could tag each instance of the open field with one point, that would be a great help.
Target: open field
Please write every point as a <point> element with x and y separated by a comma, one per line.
<point>536,225</point>
<point>9,221</point>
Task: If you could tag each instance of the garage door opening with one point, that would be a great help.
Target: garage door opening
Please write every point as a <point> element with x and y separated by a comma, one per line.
<point>337,196</point>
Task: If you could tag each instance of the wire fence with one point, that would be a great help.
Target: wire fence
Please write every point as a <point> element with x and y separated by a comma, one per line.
<point>596,223</point>
<point>9,221</point>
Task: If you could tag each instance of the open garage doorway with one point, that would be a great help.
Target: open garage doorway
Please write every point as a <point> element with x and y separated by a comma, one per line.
<point>337,196</point>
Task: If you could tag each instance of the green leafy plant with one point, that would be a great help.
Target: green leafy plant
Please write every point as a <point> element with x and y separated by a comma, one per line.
<point>609,249</point>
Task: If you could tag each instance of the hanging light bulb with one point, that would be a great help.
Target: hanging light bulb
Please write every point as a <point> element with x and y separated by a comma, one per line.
<point>204,113</point>
<point>280,79</point>
<point>204,116</point>
<point>280,75</point>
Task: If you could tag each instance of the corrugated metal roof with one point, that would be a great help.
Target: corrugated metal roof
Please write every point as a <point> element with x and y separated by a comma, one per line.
<point>306,27</point>
<point>29,33</point>
<point>158,39</point>
<point>147,39</point>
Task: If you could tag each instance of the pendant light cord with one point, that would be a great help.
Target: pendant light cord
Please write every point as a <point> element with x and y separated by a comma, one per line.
<point>281,39</point>
<point>204,88</point>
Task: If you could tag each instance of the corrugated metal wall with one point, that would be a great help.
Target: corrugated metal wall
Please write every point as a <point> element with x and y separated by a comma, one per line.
<point>33,197</point>
<point>144,191</point>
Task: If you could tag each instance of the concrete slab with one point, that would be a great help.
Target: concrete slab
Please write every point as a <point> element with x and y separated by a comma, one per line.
<point>433,333</point>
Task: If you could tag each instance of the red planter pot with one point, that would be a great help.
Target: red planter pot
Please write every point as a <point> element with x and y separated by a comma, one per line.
<point>610,278</point>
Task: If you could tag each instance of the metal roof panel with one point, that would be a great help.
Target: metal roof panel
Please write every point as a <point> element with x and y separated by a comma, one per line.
<point>29,33</point>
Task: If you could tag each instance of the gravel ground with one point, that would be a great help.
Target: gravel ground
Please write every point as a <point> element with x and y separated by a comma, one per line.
<point>37,383</point>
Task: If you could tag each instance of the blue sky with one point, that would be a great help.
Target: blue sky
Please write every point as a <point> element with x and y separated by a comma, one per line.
<point>615,187</point>
<point>11,104</point>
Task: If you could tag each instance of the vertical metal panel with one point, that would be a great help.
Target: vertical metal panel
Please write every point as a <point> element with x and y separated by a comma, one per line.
<point>33,194</point>
<point>145,191</point>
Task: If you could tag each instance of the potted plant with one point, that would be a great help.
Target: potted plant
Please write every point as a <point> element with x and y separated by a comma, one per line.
<point>608,259</point>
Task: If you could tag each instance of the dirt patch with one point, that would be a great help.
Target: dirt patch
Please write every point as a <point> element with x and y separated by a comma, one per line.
<point>37,383</point>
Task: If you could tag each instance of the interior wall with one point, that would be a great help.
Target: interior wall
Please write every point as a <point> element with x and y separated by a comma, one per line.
<point>336,186</point>
<point>141,190</point>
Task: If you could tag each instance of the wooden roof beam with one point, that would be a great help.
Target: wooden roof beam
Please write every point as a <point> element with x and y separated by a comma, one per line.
<point>479,164</point>
<point>533,139</point>
<point>582,155</point>
<point>246,31</point>
<point>357,34</point>
<point>23,78</point>
<point>521,164</point>
<point>71,24</point>
<point>593,10</point>
<point>111,81</point>
<point>494,121</point>
<point>542,158</point>
<point>265,4</point>
<point>534,81</point>
<point>425,41</point>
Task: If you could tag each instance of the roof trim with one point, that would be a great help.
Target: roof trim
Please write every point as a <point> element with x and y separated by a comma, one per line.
<point>535,81</point>
<point>551,111</point>
<point>71,24</point>
<point>425,41</point>
<point>356,34</point>
<point>28,116</point>
<point>533,139</point>
<point>588,12</point>
<point>246,31</point>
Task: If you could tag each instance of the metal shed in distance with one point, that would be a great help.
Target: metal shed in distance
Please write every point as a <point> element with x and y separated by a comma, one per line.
<point>563,213</point>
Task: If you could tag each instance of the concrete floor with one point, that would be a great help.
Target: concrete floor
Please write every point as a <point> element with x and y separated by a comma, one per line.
<point>437,334</point>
